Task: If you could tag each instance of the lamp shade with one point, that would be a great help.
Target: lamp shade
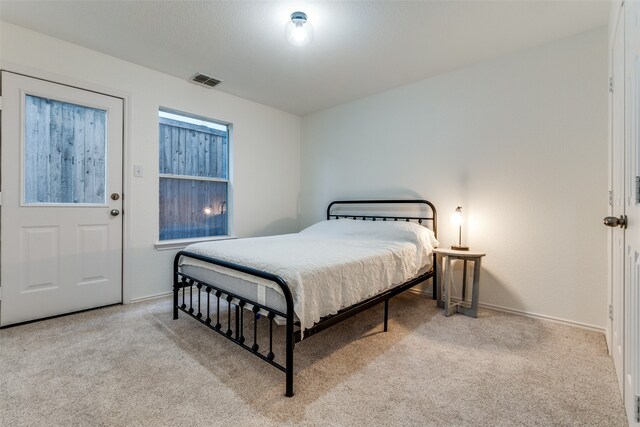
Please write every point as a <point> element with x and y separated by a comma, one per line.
<point>298,31</point>
<point>456,218</point>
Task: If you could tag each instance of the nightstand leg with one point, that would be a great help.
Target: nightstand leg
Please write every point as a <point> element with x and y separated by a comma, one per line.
<point>448,280</point>
<point>464,281</point>
<point>476,287</point>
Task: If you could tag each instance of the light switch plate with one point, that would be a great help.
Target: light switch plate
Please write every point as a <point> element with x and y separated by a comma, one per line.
<point>138,171</point>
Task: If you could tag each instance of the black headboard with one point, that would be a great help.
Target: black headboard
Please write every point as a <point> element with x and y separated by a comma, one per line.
<point>362,214</point>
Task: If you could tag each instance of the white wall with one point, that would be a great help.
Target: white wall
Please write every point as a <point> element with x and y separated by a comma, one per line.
<point>266,159</point>
<point>519,142</point>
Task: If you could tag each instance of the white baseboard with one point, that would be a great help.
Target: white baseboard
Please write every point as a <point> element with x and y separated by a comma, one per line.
<point>151,297</point>
<point>529,314</point>
<point>430,294</point>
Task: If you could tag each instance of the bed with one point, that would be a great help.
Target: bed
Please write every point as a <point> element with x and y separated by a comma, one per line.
<point>363,254</point>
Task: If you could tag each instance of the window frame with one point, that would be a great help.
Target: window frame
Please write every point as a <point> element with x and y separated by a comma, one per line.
<point>168,244</point>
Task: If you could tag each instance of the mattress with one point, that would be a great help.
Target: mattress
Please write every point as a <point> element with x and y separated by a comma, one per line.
<point>328,266</point>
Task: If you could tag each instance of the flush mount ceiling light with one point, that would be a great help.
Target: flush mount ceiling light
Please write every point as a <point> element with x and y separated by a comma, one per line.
<point>298,31</point>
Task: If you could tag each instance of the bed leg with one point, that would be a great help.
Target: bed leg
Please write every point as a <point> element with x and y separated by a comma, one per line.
<point>175,285</point>
<point>386,314</point>
<point>289,390</point>
<point>435,288</point>
<point>289,357</point>
<point>175,301</point>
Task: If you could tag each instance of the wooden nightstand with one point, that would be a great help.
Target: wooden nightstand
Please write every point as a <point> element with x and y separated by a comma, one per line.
<point>469,308</point>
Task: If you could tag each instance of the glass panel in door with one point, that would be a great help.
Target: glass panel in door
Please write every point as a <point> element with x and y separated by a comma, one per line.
<point>64,152</point>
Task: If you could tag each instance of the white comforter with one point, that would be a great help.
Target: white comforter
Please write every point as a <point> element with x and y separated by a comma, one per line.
<point>332,264</point>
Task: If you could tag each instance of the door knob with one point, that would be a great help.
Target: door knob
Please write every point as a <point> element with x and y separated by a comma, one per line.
<point>115,212</point>
<point>612,221</point>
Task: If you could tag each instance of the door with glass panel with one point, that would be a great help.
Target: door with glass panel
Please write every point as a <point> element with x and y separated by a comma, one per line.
<point>61,213</point>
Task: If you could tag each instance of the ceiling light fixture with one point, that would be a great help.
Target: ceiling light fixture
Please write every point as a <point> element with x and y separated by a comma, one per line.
<point>298,31</point>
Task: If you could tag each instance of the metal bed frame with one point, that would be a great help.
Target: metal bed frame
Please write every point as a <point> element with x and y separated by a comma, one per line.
<point>235,330</point>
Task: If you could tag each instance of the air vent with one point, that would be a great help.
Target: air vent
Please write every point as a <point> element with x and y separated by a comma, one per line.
<point>203,80</point>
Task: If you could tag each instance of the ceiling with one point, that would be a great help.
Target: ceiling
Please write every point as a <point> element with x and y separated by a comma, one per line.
<point>360,47</point>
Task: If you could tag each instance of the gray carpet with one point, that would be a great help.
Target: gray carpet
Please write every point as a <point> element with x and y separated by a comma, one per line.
<point>133,365</point>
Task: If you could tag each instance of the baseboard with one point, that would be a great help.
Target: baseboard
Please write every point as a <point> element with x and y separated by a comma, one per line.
<point>430,294</point>
<point>544,317</point>
<point>529,314</point>
<point>151,297</point>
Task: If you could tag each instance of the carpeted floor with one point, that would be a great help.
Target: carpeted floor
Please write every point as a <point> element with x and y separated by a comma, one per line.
<point>132,365</point>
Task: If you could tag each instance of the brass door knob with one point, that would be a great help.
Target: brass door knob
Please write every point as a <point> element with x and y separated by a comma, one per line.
<point>612,221</point>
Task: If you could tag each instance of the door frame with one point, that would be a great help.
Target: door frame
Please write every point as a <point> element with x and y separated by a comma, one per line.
<point>126,152</point>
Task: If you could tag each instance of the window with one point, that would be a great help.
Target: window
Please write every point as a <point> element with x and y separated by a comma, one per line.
<point>194,177</point>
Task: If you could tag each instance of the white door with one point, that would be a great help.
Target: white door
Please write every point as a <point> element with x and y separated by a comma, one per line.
<point>61,222</point>
<point>632,275</point>
<point>617,209</point>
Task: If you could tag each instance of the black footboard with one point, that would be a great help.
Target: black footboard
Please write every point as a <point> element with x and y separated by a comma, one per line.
<point>207,310</point>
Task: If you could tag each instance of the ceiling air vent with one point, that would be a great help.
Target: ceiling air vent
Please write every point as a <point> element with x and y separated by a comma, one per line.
<point>203,80</point>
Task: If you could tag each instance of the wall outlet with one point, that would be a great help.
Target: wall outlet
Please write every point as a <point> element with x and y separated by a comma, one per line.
<point>138,171</point>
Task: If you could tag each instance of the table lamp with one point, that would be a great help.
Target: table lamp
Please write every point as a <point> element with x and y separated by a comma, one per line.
<point>456,219</point>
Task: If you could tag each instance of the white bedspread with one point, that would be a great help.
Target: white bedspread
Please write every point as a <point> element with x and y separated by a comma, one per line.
<point>332,264</point>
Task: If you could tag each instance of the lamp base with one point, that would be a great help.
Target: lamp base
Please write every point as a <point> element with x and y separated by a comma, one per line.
<point>459,248</point>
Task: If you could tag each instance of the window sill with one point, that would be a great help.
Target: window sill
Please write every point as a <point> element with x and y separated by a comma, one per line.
<point>167,245</point>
